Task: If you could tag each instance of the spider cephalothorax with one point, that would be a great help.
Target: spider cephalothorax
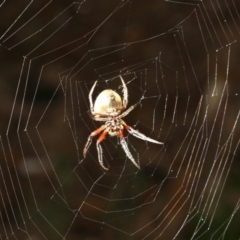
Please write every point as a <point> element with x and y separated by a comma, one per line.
<point>114,126</point>
<point>108,108</point>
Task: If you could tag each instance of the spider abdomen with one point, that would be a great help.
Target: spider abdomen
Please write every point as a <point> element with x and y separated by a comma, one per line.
<point>108,102</point>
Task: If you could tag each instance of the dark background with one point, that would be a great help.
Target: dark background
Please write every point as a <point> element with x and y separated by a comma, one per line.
<point>177,56</point>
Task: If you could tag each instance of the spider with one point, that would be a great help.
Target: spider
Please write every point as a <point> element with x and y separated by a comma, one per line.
<point>108,108</point>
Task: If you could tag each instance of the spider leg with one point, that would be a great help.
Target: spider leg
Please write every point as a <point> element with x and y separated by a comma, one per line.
<point>128,110</point>
<point>100,151</point>
<point>126,149</point>
<point>90,97</point>
<point>137,134</point>
<point>89,141</point>
<point>125,93</point>
<point>87,145</point>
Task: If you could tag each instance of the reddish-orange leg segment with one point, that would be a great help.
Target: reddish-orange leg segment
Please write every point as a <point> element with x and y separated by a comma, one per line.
<point>102,136</point>
<point>121,134</point>
<point>89,141</point>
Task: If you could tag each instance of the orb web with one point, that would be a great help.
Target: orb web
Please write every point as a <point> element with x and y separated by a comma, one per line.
<point>179,61</point>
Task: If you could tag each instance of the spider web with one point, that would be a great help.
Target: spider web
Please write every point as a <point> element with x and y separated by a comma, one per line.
<point>179,59</point>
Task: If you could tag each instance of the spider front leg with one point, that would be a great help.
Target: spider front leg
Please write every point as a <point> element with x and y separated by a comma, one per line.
<point>126,149</point>
<point>100,151</point>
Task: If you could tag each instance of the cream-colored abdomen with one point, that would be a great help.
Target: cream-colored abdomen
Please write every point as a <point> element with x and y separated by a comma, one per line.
<point>108,102</point>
